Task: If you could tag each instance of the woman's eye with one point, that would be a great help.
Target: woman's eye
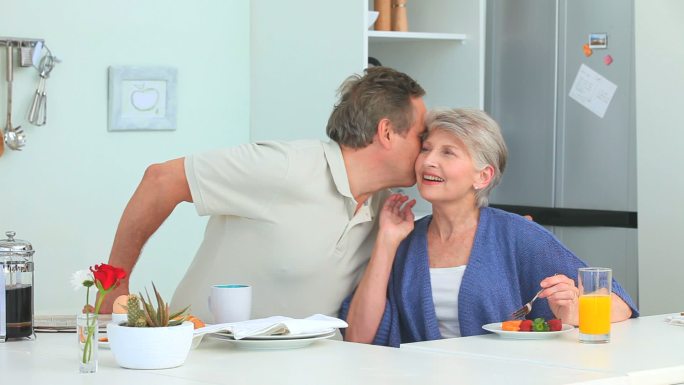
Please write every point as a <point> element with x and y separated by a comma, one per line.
<point>424,149</point>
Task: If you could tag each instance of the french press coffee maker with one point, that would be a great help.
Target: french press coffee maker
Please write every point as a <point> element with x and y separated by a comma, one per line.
<point>16,288</point>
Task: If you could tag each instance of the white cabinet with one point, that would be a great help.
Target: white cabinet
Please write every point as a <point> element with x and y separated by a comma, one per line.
<point>301,50</point>
<point>443,50</point>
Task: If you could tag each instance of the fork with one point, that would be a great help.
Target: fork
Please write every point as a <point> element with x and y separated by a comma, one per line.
<point>526,308</point>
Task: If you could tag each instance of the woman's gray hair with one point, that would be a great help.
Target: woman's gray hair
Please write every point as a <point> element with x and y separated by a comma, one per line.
<point>380,93</point>
<point>482,137</point>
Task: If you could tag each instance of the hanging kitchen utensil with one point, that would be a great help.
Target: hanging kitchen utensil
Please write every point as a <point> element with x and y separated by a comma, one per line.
<point>14,137</point>
<point>26,54</point>
<point>37,54</point>
<point>2,142</point>
<point>38,111</point>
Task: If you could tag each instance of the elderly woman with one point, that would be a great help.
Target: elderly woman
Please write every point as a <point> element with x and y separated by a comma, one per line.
<point>465,265</point>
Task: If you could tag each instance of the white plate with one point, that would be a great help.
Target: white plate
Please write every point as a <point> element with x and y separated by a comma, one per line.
<point>496,328</point>
<point>281,336</point>
<point>273,343</point>
<point>103,344</point>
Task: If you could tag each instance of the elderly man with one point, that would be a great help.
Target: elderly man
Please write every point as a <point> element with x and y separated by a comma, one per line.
<point>295,220</point>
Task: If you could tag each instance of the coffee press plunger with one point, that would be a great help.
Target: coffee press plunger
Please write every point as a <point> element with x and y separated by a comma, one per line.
<point>16,288</point>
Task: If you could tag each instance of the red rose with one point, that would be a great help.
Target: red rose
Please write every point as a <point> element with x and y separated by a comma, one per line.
<point>107,275</point>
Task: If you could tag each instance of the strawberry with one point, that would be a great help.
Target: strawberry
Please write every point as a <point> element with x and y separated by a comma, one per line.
<point>526,326</point>
<point>555,325</point>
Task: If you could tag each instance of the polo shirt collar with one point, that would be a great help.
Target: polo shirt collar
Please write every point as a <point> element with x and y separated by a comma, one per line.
<point>333,154</point>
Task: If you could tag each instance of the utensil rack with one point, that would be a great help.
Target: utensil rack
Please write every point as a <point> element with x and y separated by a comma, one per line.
<point>25,46</point>
<point>14,137</point>
<point>19,41</point>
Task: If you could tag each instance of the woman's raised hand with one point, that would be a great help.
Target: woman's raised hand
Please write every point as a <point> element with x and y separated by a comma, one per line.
<point>370,298</point>
<point>396,218</point>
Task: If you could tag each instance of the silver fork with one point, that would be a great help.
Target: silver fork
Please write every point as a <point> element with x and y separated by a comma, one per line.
<point>526,308</point>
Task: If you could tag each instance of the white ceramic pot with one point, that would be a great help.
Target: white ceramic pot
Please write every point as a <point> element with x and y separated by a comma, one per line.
<point>150,348</point>
<point>118,318</point>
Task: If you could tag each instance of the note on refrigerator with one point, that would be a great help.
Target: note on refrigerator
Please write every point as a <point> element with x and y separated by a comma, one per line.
<point>592,90</point>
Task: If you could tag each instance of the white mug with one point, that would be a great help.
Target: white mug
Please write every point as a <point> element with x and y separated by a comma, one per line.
<point>230,303</point>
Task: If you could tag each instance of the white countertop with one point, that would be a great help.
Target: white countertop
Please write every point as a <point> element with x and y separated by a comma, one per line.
<point>53,359</point>
<point>646,348</point>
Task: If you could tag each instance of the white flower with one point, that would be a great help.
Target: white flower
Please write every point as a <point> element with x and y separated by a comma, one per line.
<point>81,278</point>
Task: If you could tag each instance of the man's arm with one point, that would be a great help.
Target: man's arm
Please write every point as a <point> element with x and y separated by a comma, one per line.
<point>162,188</point>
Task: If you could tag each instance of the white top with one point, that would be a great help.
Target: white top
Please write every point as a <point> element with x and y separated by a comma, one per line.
<point>282,220</point>
<point>446,283</point>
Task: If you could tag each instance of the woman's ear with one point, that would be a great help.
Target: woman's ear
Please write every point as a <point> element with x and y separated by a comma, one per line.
<point>484,177</point>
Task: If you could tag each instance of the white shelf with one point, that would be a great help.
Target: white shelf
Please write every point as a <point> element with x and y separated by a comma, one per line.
<point>390,36</point>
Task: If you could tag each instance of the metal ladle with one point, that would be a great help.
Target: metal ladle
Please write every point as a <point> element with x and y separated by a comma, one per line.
<point>14,137</point>
<point>2,142</point>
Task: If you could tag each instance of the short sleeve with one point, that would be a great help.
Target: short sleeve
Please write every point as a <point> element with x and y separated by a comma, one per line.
<point>240,181</point>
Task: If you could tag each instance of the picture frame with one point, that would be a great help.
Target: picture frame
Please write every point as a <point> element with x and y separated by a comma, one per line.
<point>598,40</point>
<point>142,98</point>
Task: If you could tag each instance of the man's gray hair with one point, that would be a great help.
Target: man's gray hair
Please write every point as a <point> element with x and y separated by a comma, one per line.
<point>482,137</point>
<point>380,93</point>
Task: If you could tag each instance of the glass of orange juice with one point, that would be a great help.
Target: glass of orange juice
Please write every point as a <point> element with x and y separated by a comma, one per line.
<point>595,285</point>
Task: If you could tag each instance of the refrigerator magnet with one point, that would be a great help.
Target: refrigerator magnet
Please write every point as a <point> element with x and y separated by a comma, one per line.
<point>598,40</point>
<point>587,50</point>
<point>607,60</point>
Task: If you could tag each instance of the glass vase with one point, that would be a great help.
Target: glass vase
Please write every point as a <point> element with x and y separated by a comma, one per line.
<point>87,333</point>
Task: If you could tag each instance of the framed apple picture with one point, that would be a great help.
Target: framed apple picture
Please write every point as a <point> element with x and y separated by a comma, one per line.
<point>142,98</point>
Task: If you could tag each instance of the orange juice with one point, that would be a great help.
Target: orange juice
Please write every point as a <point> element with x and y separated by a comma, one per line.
<point>594,314</point>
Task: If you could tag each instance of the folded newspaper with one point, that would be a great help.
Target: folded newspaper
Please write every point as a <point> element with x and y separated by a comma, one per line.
<point>675,319</point>
<point>64,322</point>
<point>276,325</point>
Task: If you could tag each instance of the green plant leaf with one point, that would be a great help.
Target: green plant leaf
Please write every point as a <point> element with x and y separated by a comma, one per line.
<point>161,315</point>
<point>150,313</point>
<point>176,322</point>
<point>179,313</point>
<point>162,312</point>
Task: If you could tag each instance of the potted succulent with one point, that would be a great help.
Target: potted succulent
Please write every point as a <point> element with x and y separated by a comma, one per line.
<point>151,338</point>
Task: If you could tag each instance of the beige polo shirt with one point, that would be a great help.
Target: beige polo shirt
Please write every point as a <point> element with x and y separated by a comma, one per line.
<point>283,221</point>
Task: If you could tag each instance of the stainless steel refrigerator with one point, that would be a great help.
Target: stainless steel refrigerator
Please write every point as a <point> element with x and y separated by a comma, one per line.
<point>571,168</point>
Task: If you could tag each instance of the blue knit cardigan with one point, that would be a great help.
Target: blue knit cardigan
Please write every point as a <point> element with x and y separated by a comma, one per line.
<point>509,257</point>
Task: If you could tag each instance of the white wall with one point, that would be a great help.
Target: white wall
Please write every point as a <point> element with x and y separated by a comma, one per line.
<point>660,137</point>
<point>65,192</point>
<point>301,51</point>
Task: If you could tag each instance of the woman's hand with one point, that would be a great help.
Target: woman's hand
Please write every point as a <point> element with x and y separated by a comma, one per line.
<point>563,297</point>
<point>370,298</point>
<point>396,222</point>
